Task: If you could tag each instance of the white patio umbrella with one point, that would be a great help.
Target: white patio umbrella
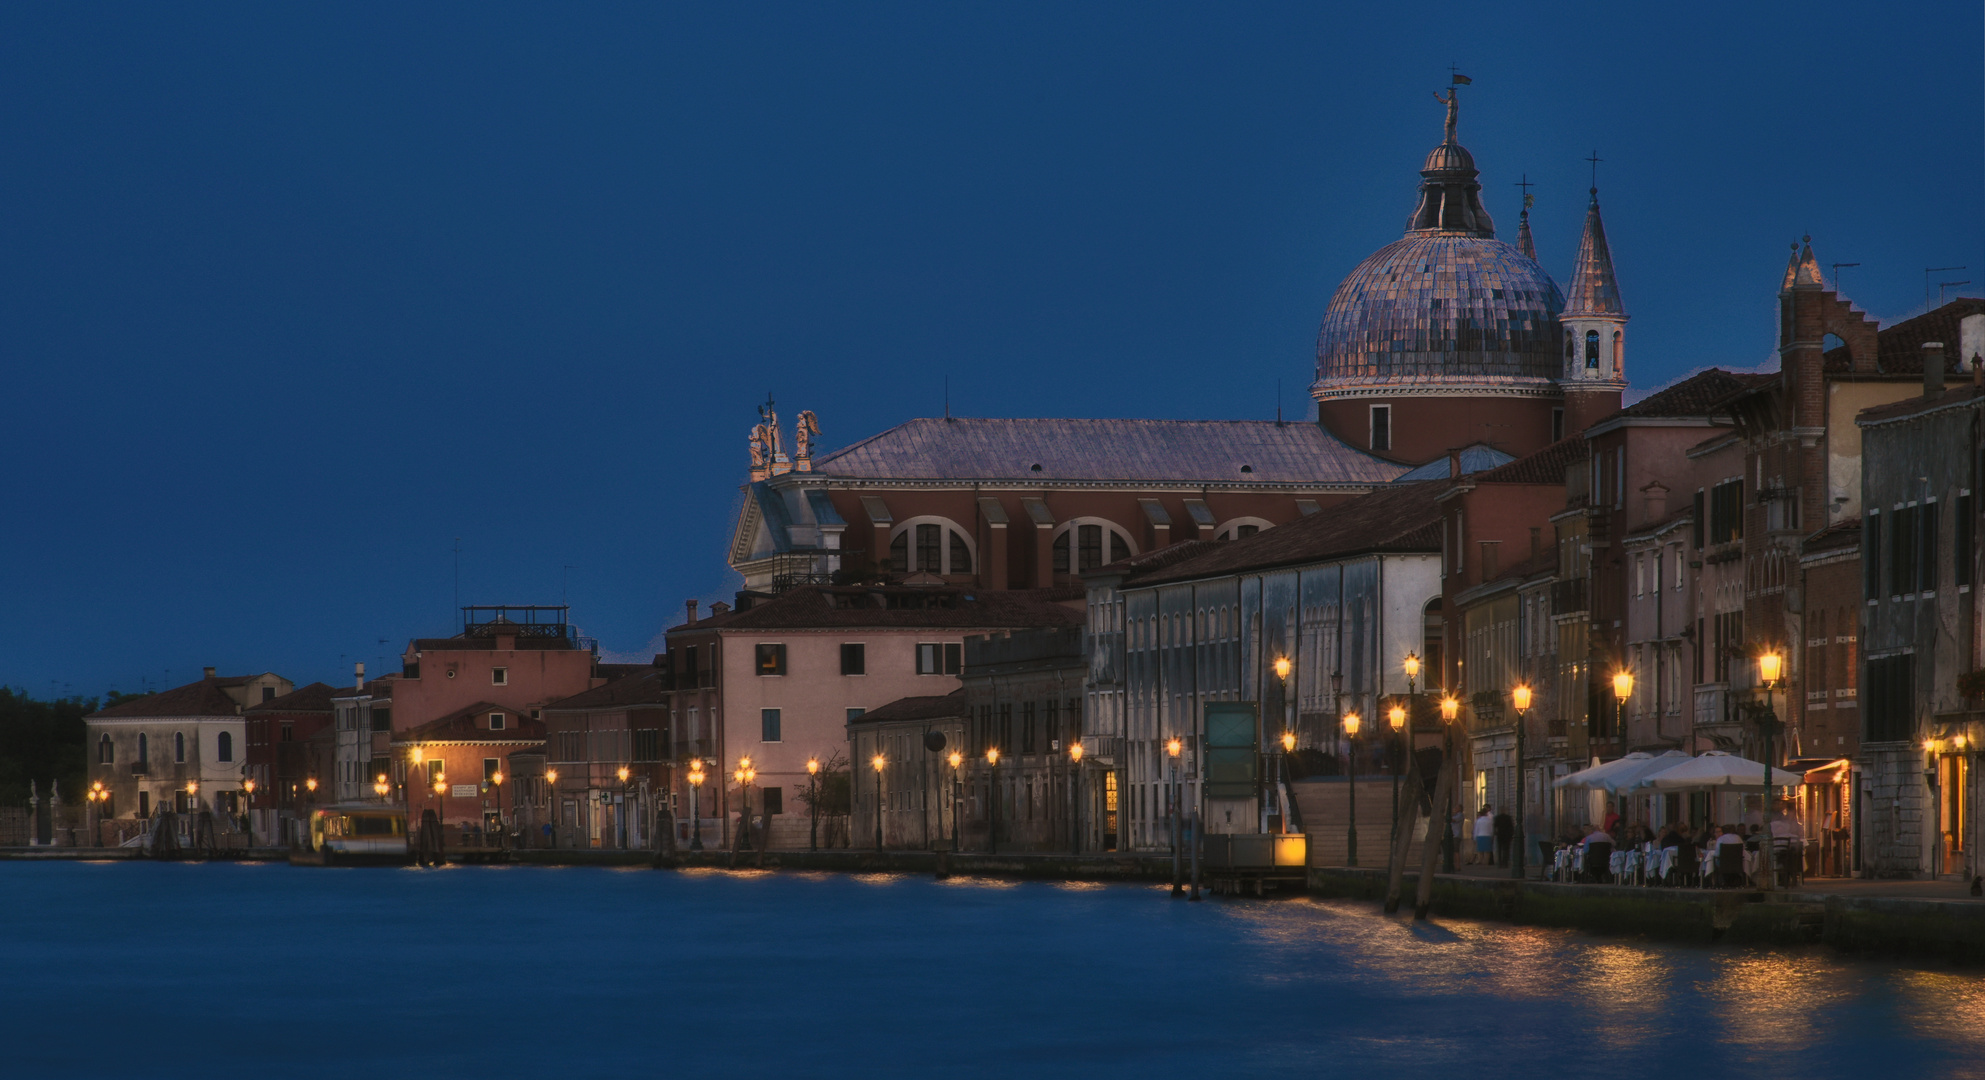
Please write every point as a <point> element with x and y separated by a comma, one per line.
<point>1629,778</point>
<point>1716,769</point>
<point>1598,775</point>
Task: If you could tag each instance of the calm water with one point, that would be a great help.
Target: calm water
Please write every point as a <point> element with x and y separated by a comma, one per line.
<point>226,970</point>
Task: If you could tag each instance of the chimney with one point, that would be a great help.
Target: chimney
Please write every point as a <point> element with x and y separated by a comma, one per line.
<point>1933,368</point>
<point>719,608</point>
<point>207,673</point>
<point>1655,500</point>
<point>692,612</point>
<point>358,672</point>
<point>1454,464</point>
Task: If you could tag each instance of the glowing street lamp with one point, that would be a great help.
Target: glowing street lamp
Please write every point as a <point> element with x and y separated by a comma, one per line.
<point>992,788</point>
<point>1352,721</point>
<point>1282,667</point>
<point>380,787</point>
<point>878,763</point>
<point>1173,748</point>
<point>1771,666</point>
<point>1075,752</point>
<point>744,774</point>
<point>813,801</point>
<point>1450,708</point>
<point>1519,696</point>
<point>957,760</point>
<point>696,804</point>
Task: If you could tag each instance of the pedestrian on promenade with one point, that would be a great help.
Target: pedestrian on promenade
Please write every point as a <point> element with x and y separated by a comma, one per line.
<point>1485,838</point>
<point>1505,831</point>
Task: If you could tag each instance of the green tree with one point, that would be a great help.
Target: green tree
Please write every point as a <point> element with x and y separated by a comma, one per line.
<point>42,741</point>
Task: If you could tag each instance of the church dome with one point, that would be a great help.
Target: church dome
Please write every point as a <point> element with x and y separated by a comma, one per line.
<point>1448,305</point>
<point>1437,308</point>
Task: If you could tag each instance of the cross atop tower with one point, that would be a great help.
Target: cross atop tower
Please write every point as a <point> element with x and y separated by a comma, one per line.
<point>1528,199</point>
<point>1595,159</point>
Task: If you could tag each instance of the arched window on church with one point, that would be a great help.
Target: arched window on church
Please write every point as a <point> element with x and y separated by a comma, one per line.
<point>1086,550</point>
<point>1619,358</point>
<point>1240,528</point>
<point>1592,350</point>
<point>104,754</point>
<point>929,546</point>
<point>179,747</point>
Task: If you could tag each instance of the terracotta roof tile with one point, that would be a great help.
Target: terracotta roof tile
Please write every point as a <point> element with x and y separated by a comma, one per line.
<point>1546,466</point>
<point>1910,406</point>
<point>646,686</point>
<point>1135,450</point>
<point>1396,518</point>
<point>315,698</point>
<point>469,725</point>
<point>828,606</point>
<point>936,707</point>
<point>1899,348</point>
<point>203,698</point>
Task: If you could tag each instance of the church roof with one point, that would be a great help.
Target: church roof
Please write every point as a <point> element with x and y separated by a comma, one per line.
<point>1480,457</point>
<point>1152,451</point>
<point>1402,518</point>
<point>1594,290</point>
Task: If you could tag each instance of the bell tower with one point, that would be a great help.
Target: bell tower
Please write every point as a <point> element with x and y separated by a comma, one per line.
<point>1595,322</point>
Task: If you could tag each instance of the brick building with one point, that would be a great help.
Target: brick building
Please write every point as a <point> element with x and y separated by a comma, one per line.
<point>279,731</point>
<point>589,738</point>
<point>780,681</point>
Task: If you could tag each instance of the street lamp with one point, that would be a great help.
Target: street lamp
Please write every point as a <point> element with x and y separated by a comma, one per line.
<point>1412,666</point>
<point>1173,748</point>
<point>247,827</point>
<point>496,778</point>
<point>1396,718</point>
<point>744,774</point>
<point>380,787</point>
<point>1622,690</point>
<point>1075,818</point>
<point>1519,696</point>
<point>992,788</point>
<point>621,774</point>
<point>696,804</point>
<point>550,803</point>
<point>96,795</point>
<point>878,763</point>
<point>440,814</point>
<point>956,759</point>
<point>1351,723</point>
<point>1450,712</point>
<point>1771,665</point>
<point>813,801</point>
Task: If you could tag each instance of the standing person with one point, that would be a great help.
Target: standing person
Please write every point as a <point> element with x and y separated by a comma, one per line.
<point>1612,820</point>
<point>1505,832</point>
<point>1484,838</point>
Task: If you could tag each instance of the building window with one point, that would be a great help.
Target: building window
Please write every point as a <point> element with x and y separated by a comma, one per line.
<point>768,725</point>
<point>1592,354</point>
<point>647,744</point>
<point>496,721</point>
<point>771,659</point>
<point>855,713</point>
<point>144,747</point>
<point>1871,556</point>
<point>1027,727</point>
<point>1927,565</point>
<point>1889,709</point>
<point>179,747</point>
<point>105,754</point>
<point>961,561</point>
<point>289,732</point>
<point>1902,551</point>
<point>224,746</point>
<point>268,693</point>
<point>930,550</point>
<point>854,658</point>
<point>144,804</point>
<point>490,766</point>
<point>1726,512</point>
<point>1087,547</point>
<point>939,659</point>
<point>499,676</point>
<point>1381,427</point>
<point>1557,424</point>
<point>1963,550</point>
<point>382,718</point>
<point>939,547</point>
<point>774,800</point>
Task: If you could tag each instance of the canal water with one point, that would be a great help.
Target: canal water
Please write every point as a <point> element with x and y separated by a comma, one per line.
<point>225,970</point>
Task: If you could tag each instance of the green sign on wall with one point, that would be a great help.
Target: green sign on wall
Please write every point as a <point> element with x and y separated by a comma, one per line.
<point>1233,751</point>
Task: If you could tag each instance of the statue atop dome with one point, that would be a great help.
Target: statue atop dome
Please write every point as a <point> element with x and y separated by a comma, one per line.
<point>1453,103</point>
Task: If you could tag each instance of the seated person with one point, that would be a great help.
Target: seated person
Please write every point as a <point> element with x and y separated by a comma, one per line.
<point>1730,857</point>
<point>1599,855</point>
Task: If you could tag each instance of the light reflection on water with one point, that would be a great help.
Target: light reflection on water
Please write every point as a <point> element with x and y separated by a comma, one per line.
<point>508,971</point>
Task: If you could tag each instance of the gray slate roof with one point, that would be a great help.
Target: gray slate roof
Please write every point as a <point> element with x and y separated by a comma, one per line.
<point>1206,451</point>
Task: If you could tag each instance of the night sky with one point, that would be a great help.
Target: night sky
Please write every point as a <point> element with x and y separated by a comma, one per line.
<point>295,296</point>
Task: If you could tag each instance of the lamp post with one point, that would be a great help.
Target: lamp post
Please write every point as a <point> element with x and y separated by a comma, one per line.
<point>502,827</point>
<point>1395,717</point>
<point>248,808</point>
<point>695,804</point>
<point>1351,723</point>
<point>622,774</point>
<point>1410,665</point>
<point>1519,696</point>
<point>1771,665</point>
<point>1173,747</point>
<point>1075,793</point>
<point>1450,711</point>
<point>992,788</point>
<point>441,816</point>
<point>550,806</point>
<point>1622,690</point>
<point>813,802</point>
<point>1288,747</point>
<point>744,774</point>
<point>956,759</point>
<point>95,796</point>
<point>878,763</point>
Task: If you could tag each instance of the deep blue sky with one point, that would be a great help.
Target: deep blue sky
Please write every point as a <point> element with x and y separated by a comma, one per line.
<point>294,296</point>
